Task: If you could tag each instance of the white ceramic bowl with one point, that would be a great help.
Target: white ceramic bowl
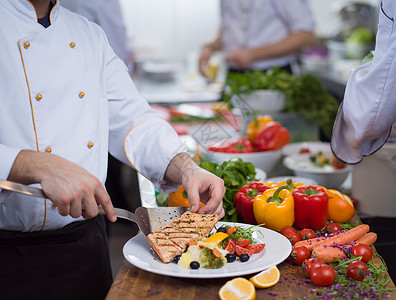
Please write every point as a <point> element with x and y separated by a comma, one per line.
<point>264,101</point>
<point>265,160</point>
<point>328,177</point>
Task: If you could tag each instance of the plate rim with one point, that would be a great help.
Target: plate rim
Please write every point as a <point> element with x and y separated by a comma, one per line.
<point>193,274</point>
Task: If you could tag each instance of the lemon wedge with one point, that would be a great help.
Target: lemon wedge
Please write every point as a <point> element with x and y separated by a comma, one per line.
<point>216,238</point>
<point>266,278</point>
<point>238,289</point>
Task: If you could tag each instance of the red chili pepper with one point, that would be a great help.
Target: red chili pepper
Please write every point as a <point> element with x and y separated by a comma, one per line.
<point>272,136</point>
<point>310,207</point>
<point>244,200</point>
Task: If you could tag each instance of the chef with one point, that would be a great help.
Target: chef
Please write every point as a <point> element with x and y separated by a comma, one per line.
<point>66,101</point>
<point>368,111</point>
<point>261,34</point>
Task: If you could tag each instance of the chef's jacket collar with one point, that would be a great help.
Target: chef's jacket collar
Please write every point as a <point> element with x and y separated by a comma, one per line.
<point>26,8</point>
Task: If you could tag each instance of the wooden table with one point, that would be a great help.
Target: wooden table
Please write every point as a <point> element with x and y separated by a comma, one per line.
<point>134,283</point>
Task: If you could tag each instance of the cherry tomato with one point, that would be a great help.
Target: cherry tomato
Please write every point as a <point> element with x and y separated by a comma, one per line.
<point>333,228</point>
<point>239,250</point>
<point>362,250</point>
<point>307,233</point>
<point>312,263</point>
<point>288,228</point>
<point>323,275</point>
<point>357,270</point>
<point>242,242</point>
<point>299,255</point>
<point>292,237</point>
<point>255,248</point>
<point>230,246</point>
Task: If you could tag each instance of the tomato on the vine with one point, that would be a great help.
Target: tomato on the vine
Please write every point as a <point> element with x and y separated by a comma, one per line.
<point>312,263</point>
<point>299,255</point>
<point>332,227</point>
<point>293,237</point>
<point>287,228</point>
<point>357,270</point>
<point>307,233</point>
<point>362,250</point>
<point>323,275</point>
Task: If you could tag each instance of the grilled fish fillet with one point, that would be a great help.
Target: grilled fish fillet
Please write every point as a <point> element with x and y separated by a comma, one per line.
<point>172,240</point>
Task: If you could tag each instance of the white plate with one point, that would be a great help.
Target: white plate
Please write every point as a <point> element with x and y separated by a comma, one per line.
<point>277,248</point>
<point>314,147</point>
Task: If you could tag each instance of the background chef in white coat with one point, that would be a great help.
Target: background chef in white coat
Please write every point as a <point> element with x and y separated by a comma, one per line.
<point>261,34</point>
<point>368,111</point>
<point>67,100</point>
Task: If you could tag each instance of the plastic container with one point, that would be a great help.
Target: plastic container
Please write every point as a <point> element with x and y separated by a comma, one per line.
<point>373,182</point>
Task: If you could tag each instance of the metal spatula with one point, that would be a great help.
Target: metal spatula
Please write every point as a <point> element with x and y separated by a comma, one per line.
<point>148,219</point>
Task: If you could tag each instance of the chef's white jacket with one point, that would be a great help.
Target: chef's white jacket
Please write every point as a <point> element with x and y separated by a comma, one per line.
<point>368,110</point>
<point>64,91</point>
<point>256,23</point>
<point>107,14</point>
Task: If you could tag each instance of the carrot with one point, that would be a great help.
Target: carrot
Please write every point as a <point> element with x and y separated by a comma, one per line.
<point>368,239</point>
<point>310,243</point>
<point>345,237</point>
<point>329,253</point>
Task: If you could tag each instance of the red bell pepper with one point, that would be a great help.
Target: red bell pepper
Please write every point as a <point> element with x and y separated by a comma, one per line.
<point>244,200</point>
<point>240,145</point>
<point>310,207</point>
<point>271,137</point>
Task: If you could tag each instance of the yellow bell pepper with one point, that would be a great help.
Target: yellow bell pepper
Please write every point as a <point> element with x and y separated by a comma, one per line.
<point>255,125</point>
<point>291,185</point>
<point>274,208</point>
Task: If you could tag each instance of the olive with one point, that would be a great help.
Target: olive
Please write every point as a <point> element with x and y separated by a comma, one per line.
<point>194,265</point>
<point>222,229</point>
<point>176,258</point>
<point>231,257</point>
<point>244,257</point>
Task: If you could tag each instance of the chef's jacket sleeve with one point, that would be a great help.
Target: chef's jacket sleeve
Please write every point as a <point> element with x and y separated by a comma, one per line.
<point>368,111</point>
<point>296,15</point>
<point>137,134</point>
<point>8,156</point>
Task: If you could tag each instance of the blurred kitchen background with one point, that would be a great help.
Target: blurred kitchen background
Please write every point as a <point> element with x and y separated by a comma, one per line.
<point>173,31</point>
<point>167,36</point>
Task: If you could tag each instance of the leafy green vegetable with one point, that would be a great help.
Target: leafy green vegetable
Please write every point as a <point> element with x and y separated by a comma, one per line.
<point>241,233</point>
<point>235,173</point>
<point>306,94</point>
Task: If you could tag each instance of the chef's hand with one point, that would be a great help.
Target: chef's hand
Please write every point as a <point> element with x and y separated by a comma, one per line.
<point>200,185</point>
<point>67,185</point>
<point>241,58</point>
